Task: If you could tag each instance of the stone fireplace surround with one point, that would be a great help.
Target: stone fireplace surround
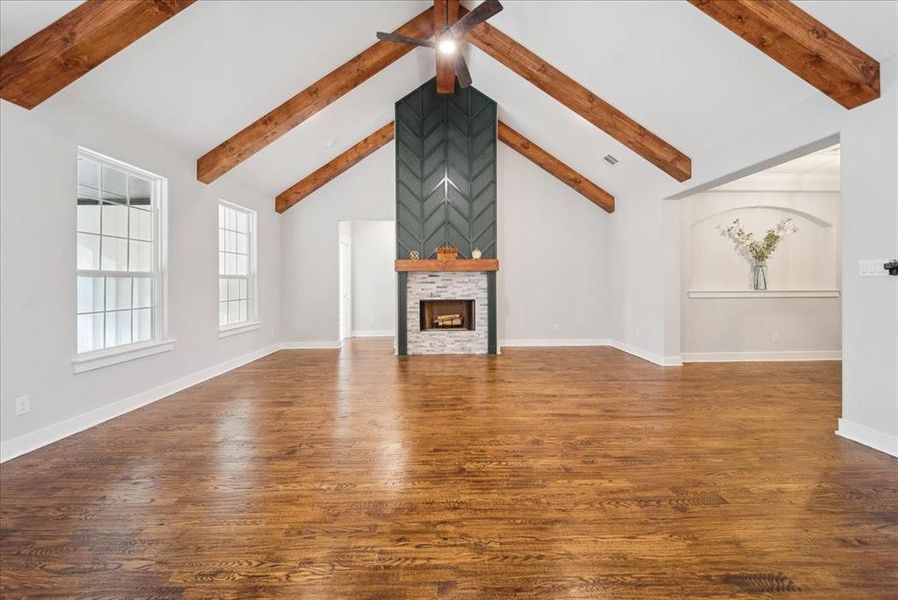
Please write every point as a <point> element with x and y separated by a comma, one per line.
<point>461,279</point>
<point>447,286</point>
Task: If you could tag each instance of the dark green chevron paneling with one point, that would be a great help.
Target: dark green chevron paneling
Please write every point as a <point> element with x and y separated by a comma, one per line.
<point>445,172</point>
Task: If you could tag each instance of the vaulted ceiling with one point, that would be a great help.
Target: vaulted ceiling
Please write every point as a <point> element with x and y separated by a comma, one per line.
<point>219,66</point>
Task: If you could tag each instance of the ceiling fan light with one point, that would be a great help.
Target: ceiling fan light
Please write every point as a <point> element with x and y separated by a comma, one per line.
<point>448,46</point>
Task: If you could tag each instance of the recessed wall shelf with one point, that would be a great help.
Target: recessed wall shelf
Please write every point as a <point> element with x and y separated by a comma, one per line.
<point>764,293</point>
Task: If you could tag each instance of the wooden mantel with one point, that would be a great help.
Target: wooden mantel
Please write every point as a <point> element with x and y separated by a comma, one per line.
<point>456,266</point>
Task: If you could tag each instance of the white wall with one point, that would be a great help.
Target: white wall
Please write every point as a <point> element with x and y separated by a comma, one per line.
<point>373,278</point>
<point>762,326</point>
<point>37,266</point>
<point>552,253</point>
<point>641,234</point>
<point>553,259</point>
<point>310,267</point>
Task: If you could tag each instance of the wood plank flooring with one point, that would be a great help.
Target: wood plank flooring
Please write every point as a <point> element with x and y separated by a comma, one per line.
<point>540,473</point>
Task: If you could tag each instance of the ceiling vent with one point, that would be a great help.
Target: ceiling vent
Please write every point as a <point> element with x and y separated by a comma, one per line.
<point>610,160</point>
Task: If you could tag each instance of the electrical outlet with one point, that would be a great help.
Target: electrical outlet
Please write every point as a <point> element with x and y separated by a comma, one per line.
<point>872,267</point>
<point>23,405</point>
<point>775,337</point>
<point>555,327</point>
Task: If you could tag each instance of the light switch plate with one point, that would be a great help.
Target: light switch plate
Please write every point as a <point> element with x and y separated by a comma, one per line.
<point>872,267</point>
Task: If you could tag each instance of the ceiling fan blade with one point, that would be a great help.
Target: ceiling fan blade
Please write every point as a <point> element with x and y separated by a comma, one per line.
<point>461,70</point>
<point>404,39</point>
<point>484,11</point>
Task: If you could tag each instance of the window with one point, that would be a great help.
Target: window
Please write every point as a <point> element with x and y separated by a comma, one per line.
<point>119,256</point>
<point>236,267</point>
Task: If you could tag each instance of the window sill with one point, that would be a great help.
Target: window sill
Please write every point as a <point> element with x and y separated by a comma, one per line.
<point>238,329</point>
<point>764,293</point>
<point>113,356</point>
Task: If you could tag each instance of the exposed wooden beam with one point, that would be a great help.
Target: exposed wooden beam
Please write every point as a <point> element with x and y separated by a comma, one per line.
<point>802,44</point>
<point>445,62</point>
<point>303,105</point>
<point>583,102</point>
<point>555,167</point>
<point>335,167</point>
<point>77,42</point>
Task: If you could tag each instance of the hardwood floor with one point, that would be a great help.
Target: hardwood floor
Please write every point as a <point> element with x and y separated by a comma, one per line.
<point>575,473</point>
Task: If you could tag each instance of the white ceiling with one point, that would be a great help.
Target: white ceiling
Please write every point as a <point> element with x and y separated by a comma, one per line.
<point>218,66</point>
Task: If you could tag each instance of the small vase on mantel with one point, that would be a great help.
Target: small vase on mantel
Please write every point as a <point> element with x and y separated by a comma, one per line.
<point>759,276</point>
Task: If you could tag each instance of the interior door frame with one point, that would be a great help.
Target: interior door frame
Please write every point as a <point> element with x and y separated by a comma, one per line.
<point>345,286</point>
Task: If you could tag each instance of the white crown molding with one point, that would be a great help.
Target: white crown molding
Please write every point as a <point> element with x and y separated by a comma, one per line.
<point>372,333</point>
<point>868,436</point>
<point>553,342</point>
<point>763,293</point>
<point>782,355</point>
<point>314,345</point>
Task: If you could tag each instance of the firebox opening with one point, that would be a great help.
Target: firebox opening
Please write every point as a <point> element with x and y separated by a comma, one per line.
<point>447,315</point>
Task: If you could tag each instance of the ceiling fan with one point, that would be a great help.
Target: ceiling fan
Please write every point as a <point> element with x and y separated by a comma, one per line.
<point>446,41</point>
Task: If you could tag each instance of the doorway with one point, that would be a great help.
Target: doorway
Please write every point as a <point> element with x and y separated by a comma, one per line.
<point>367,278</point>
<point>345,236</point>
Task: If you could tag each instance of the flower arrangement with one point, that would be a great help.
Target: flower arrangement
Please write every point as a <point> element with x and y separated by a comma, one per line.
<point>757,251</point>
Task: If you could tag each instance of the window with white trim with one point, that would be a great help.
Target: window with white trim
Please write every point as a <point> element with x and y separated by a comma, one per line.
<point>236,265</point>
<point>119,255</point>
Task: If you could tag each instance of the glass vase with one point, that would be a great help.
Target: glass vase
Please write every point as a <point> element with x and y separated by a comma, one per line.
<point>759,277</point>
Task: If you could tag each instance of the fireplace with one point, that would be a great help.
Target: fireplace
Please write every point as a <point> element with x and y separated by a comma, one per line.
<point>443,315</point>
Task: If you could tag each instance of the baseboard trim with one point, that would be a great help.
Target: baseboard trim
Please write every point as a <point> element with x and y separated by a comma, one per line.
<point>552,343</point>
<point>373,333</point>
<point>785,355</point>
<point>661,361</point>
<point>329,345</point>
<point>868,436</point>
<point>53,433</point>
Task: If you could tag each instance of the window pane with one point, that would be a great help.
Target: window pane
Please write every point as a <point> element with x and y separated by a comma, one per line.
<point>88,217</point>
<point>243,304</point>
<point>243,289</point>
<point>89,174</point>
<point>222,313</point>
<point>88,252</point>
<point>141,256</point>
<point>230,241</point>
<point>241,243</point>
<point>141,224</point>
<point>90,294</point>
<point>221,240</point>
<point>221,216</point>
<point>114,185</point>
<point>118,328</point>
<point>118,293</point>
<point>241,265</point>
<point>241,221</point>
<point>142,323</point>
<point>233,289</point>
<point>221,263</point>
<point>222,289</point>
<point>230,264</point>
<point>115,220</point>
<point>115,254</point>
<point>90,332</point>
<point>139,191</point>
<point>231,215</point>
<point>233,312</point>
<point>143,292</point>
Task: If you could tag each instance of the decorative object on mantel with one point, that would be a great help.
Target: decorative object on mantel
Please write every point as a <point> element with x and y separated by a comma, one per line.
<point>757,251</point>
<point>476,253</point>
<point>447,252</point>
<point>414,255</point>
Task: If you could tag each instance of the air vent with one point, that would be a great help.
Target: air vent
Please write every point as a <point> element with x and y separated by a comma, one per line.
<point>610,160</point>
